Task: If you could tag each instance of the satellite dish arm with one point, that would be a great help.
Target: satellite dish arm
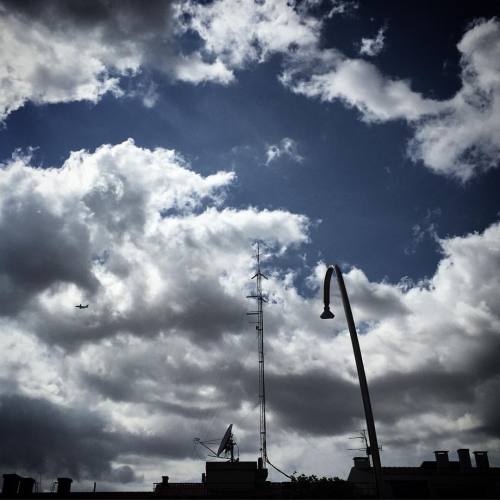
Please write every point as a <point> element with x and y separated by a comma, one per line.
<point>203,443</point>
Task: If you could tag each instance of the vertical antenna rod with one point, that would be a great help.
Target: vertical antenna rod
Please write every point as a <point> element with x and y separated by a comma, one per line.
<point>260,342</point>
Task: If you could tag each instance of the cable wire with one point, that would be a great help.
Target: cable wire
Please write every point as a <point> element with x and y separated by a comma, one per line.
<point>279,470</point>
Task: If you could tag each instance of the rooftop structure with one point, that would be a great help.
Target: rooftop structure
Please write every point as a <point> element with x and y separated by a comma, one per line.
<point>439,478</point>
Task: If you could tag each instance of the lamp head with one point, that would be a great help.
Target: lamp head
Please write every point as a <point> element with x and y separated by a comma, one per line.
<point>327,314</point>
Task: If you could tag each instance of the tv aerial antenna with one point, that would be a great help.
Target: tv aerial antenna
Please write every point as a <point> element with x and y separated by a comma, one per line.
<point>226,446</point>
<point>364,439</point>
<point>259,326</point>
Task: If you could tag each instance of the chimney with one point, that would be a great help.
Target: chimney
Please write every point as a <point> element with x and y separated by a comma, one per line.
<point>10,485</point>
<point>361,463</point>
<point>464,459</point>
<point>26,486</point>
<point>482,461</point>
<point>64,485</point>
<point>442,459</point>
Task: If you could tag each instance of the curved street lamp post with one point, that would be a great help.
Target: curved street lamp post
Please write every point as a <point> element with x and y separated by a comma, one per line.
<point>370,422</point>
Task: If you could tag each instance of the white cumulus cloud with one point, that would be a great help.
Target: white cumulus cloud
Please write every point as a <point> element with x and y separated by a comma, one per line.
<point>463,140</point>
<point>359,84</point>
<point>373,46</point>
<point>456,137</point>
<point>146,242</point>
<point>61,52</point>
<point>286,147</point>
<point>164,352</point>
<point>239,32</point>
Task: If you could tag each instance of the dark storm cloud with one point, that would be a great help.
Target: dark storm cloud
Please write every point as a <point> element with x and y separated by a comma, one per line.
<point>378,302</point>
<point>140,274</point>
<point>445,391</point>
<point>119,18</point>
<point>317,402</point>
<point>175,390</point>
<point>38,436</point>
<point>124,474</point>
<point>484,366</point>
<point>399,395</point>
<point>314,402</point>
<point>210,311</point>
<point>206,314</point>
<point>38,249</point>
<point>483,361</point>
<point>489,407</point>
<point>186,411</point>
<point>112,388</point>
<point>431,440</point>
<point>177,444</point>
<point>120,23</point>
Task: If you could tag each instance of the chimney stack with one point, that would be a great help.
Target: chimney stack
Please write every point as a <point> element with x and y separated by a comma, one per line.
<point>482,461</point>
<point>10,485</point>
<point>442,459</point>
<point>64,485</point>
<point>464,459</point>
<point>26,486</point>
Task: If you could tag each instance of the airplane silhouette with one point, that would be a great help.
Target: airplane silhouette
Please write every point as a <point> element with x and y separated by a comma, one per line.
<point>82,307</point>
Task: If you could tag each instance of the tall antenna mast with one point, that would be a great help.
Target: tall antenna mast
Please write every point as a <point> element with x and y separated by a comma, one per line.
<point>258,296</point>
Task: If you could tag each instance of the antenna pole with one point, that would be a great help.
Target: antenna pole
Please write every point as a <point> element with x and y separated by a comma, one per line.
<point>260,342</point>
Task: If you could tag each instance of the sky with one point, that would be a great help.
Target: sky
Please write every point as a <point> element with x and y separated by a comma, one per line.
<point>145,147</point>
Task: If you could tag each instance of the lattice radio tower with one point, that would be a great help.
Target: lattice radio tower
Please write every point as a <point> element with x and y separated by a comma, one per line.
<point>259,325</point>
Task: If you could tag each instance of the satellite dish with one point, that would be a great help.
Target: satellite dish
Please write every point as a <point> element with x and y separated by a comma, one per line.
<point>227,443</point>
